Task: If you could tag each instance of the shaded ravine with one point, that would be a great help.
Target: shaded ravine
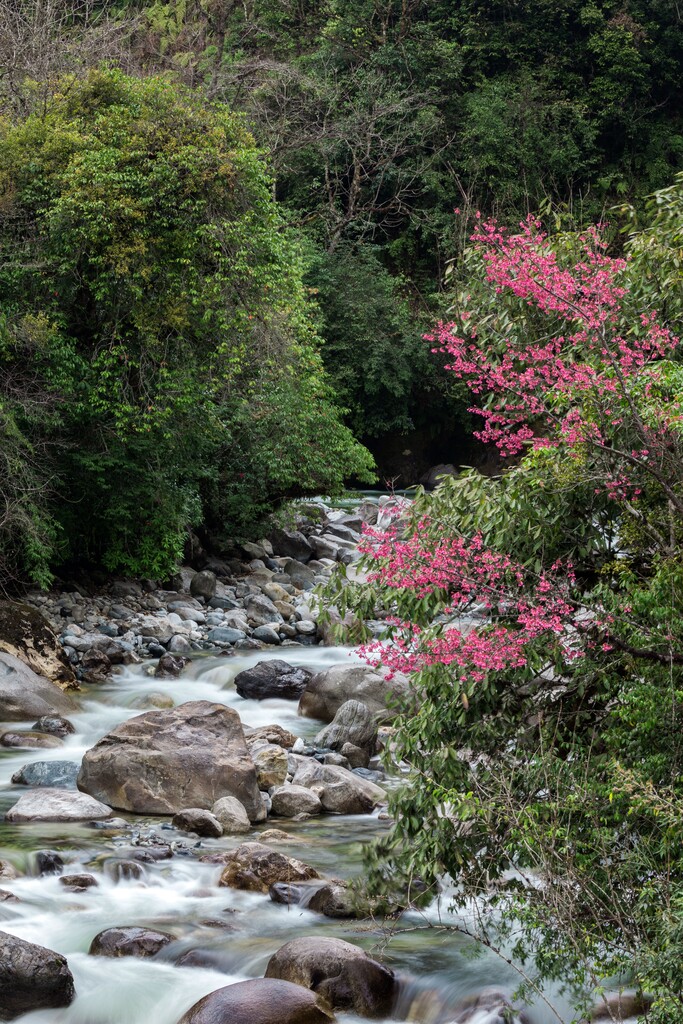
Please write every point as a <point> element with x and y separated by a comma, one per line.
<point>238,930</point>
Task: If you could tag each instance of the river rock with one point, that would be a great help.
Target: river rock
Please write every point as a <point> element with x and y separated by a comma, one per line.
<point>343,975</point>
<point>29,740</point>
<point>27,635</point>
<point>231,815</point>
<point>291,544</point>
<point>226,635</point>
<point>261,611</point>
<point>31,978</point>
<point>55,725</point>
<point>203,584</point>
<point>340,791</point>
<point>255,867</point>
<point>26,695</point>
<point>289,801</point>
<point>57,805</point>
<point>327,691</point>
<point>271,734</point>
<point>170,665</point>
<point>161,761</point>
<point>302,576</point>
<point>55,774</point>
<point>127,941</point>
<point>199,820</point>
<point>353,724</point>
<point>267,635</point>
<point>271,765</point>
<point>48,862</point>
<point>78,883</point>
<point>260,1001</point>
<point>333,900</point>
<point>272,678</point>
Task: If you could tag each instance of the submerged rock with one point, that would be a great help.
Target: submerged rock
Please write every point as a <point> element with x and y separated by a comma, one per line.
<point>31,978</point>
<point>162,761</point>
<point>129,941</point>
<point>261,1001</point>
<point>255,867</point>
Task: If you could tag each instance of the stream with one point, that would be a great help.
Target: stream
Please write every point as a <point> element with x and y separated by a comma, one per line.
<point>238,930</point>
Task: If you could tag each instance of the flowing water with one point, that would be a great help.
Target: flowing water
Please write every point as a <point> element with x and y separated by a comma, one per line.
<point>237,931</point>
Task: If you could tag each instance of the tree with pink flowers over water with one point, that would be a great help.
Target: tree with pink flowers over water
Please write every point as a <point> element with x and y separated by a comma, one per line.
<point>539,613</point>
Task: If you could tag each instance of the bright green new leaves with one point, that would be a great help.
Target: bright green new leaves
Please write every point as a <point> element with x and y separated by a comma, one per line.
<point>139,223</point>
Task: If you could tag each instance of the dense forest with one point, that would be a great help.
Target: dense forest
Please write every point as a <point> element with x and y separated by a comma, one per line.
<point>320,255</point>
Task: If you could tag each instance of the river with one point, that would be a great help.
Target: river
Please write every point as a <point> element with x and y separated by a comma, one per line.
<point>239,930</point>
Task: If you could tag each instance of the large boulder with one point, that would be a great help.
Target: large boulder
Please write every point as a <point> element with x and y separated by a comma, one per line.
<point>260,1001</point>
<point>274,678</point>
<point>353,723</point>
<point>255,867</point>
<point>164,761</point>
<point>26,695</point>
<point>328,690</point>
<point>343,975</point>
<point>129,941</point>
<point>31,978</point>
<point>57,805</point>
<point>26,634</point>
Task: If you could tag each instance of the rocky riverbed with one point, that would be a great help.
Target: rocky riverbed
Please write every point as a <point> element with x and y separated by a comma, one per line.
<point>188,775</point>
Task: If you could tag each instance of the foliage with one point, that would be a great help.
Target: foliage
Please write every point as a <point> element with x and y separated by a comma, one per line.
<point>139,225</point>
<point>546,654</point>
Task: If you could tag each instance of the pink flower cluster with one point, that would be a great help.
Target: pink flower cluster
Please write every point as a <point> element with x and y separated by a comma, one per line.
<point>586,353</point>
<point>465,573</point>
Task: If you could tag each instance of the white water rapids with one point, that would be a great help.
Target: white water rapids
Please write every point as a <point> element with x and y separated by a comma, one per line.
<point>238,930</point>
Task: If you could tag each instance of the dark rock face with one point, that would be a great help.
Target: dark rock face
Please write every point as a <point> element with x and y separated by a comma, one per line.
<point>203,584</point>
<point>261,1001</point>
<point>272,679</point>
<point>142,942</point>
<point>55,725</point>
<point>164,761</point>
<point>31,978</point>
<point>342,974</point>
<point>170,666</point>
<point>26,634</point>
<point>255,867</point>
<point>26,695</point>
<point>48,862</point>
<point>291,544</point>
